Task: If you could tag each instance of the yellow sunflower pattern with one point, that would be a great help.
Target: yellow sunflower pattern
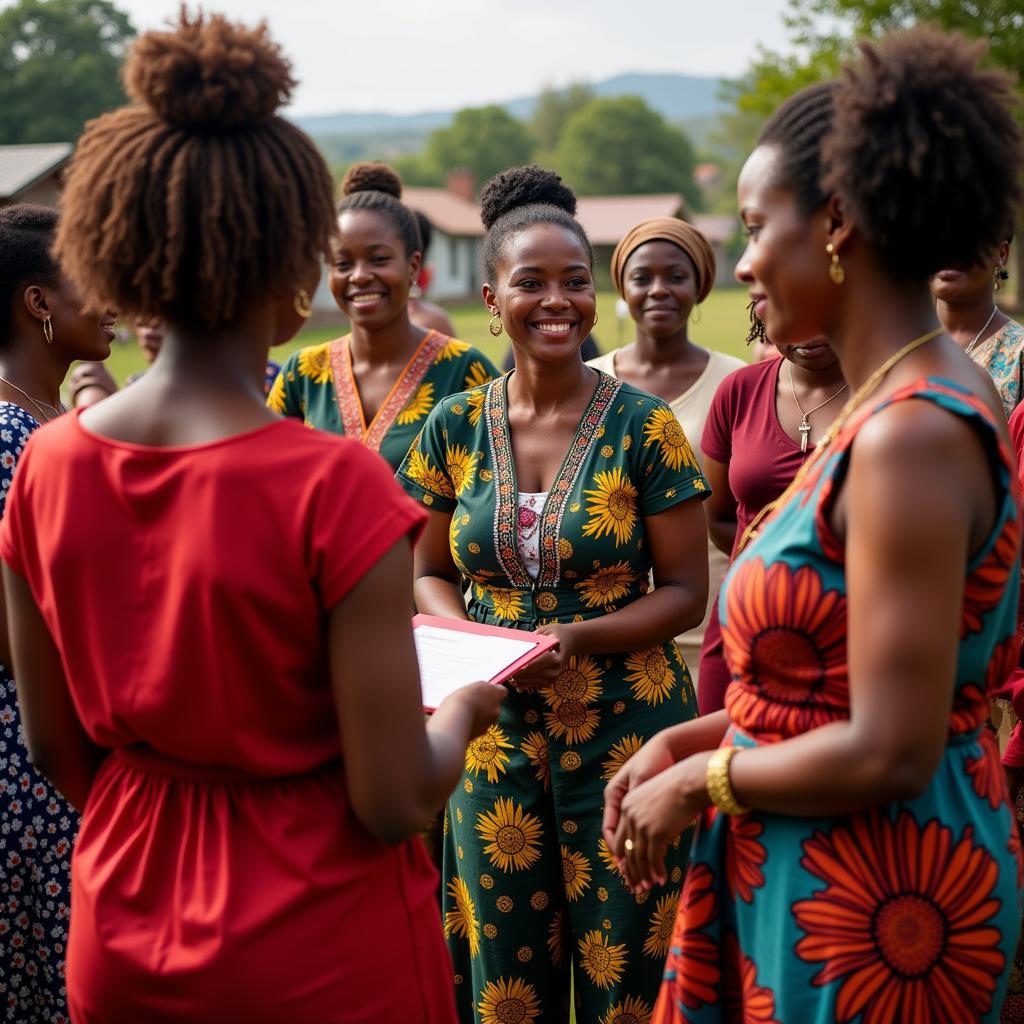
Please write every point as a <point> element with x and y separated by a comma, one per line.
<point>612,506</point>
<point>419,405</point>
<point>525,819</point>
<point>276,399</point>
<point>663,919</point>
<point>663,429</point>
<point>508,1001</point>
<point>315,363</point>
<point>478,374</point>
<point>461,920</point>
<point>430,478</point>
<point>452,348</point>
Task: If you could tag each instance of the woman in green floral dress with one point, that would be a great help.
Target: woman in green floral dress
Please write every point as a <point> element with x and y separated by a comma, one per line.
<point>554,491</point>
<point>379,382</point>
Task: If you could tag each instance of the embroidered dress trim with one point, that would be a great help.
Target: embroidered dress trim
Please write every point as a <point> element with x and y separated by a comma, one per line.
<point>506,511</point>
<point>350,407</point>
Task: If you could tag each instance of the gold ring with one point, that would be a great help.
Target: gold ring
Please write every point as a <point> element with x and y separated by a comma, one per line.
<point>629,845</point>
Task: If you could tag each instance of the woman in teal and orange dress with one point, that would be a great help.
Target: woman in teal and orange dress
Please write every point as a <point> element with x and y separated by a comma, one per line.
<point>378,383</point>
<point>554,491</point>
<point>857,860</point>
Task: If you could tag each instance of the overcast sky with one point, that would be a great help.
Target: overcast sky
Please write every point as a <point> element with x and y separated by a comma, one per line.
<point>404,56</point>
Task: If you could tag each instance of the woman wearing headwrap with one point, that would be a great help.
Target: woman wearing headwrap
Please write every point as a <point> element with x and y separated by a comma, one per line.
<point>663,268</point>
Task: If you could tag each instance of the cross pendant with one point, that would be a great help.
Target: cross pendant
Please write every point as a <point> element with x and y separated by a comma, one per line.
<point>805,434</point>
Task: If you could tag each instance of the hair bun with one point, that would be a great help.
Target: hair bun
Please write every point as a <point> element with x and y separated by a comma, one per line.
<point>209,73</point>
<point>524,186</point>
<point>371,177</point>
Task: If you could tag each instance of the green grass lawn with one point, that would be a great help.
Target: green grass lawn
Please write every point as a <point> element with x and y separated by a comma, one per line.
<point>723,326</point>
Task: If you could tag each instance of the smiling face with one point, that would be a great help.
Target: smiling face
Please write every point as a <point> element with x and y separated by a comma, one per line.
<point>970,285</point>
<point>659,284</point>
<point>544,291</point>
<point>784,265</point>
<point>77,332</point>
<point>371,272</point>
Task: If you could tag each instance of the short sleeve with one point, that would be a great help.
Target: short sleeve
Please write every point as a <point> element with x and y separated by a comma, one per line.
<point>423,471</point>
<point>16,426</point>
<point>478,370</point>
<point>717,440</point>
<point>668,469</point>
<point>283,396</point>
<point>360,514</point>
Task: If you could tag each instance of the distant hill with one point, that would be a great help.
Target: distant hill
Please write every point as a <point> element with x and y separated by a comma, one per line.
<point>678,98</point>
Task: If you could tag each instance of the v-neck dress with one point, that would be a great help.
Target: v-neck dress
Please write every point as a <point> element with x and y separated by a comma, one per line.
<point>528,881</point>
<point>317,385</point>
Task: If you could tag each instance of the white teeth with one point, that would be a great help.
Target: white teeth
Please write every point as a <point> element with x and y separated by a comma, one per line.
<point>367,298</point>
<point>555,328</point>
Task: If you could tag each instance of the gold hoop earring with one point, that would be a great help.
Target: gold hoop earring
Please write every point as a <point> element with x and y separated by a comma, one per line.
<point>835,270</point>
<point>695,315</point>
<point>302,304</point>
<point>495,329</point>
<point>48,329</point>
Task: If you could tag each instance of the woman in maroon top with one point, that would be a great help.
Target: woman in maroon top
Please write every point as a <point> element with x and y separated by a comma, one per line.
<point>764,421</point>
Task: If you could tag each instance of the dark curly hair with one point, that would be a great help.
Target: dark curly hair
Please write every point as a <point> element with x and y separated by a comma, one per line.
<point>926,151</point>
<point>798,129</point>
<point>426,230</point>
<point>26,236</point>
<point>522,196</point>
<point>378,187</point>
<point>198,199</point>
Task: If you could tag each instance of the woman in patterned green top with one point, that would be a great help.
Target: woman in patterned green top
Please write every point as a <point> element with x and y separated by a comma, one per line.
<point>554,491</point>
<point>379,382</point>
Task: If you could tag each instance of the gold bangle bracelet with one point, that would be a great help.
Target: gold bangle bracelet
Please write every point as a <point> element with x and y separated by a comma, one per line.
<point>719,786</point>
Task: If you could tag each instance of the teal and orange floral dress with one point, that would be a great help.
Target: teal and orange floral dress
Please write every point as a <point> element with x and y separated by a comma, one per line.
<point>904,912</point>
<point>529,883</point>
<point>316,384</point>
<point>1002,356</point>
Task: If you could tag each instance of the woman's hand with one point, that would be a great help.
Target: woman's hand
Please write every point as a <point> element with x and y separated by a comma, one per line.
<point>550,665</point>
<point>653,758</point>
<point>482,703</point>
<point>653,814</point>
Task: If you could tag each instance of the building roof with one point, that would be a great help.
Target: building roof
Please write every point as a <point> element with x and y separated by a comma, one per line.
<point>22,166</point>
<point>447,211</point>
<point>605,218</point>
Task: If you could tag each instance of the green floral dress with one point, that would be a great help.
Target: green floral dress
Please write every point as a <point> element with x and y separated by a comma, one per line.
<point>528,881</point>
<point>317,385</point>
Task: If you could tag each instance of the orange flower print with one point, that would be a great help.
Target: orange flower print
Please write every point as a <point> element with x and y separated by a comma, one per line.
<point>692,973</point>
<point>985,586</point>
<point>986,772</point>
<point>970,708</point>
<point>904,922</point>
<point>785,640</point>
<point>744,855</point>
<point>746,1002</point>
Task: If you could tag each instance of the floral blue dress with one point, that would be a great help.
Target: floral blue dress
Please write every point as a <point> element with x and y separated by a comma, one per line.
<point>906,911</point>
<point>37,830</point>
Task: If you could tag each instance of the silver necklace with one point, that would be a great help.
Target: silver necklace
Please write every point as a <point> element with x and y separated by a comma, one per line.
<point>805,422</point>
<point>39,404</point>
<point>977,337</point>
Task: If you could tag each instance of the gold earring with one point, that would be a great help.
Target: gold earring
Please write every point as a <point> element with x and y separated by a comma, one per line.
<point>835,270</point>
<point>48,329</point>
<point>495,329</point>
<point>595,320</point>
<point>302,304</point>
<point>1002,274</point>
<point>695,315</point>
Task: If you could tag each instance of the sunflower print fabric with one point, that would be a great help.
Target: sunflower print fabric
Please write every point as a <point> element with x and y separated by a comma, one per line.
<point>529,885</point>
<point>316,385</point>
<point>904,912</point>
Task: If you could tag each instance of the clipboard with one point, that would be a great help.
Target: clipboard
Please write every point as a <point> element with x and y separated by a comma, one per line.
<point>430,653</point>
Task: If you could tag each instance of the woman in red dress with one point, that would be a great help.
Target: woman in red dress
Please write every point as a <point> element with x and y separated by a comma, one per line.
<point>209,605</point>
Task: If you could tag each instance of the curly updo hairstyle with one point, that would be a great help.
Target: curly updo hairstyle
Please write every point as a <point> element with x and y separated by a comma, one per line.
<point>378,187</point>
<point>518,198</point>
<point>198,198</point>
<point>26,235</point>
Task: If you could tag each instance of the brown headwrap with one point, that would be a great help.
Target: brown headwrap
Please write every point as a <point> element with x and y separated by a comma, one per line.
<point>678,232</point>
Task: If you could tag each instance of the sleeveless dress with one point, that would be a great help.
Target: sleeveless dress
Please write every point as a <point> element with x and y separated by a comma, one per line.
<point>37,831</point>
<point>902,912</point>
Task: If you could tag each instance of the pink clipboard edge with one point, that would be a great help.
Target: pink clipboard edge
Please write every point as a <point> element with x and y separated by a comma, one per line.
<point>544,642</point>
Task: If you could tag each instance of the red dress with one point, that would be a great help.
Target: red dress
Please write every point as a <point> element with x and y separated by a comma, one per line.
<point>220,873</point>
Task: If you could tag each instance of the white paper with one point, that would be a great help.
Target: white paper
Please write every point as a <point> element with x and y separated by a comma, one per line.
<point>451,658</point>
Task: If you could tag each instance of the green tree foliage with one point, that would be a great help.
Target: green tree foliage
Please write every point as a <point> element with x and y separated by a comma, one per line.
<point>60,64</point>
<point>484,140</point>
<point>622,146</point>
<point>553,110</point>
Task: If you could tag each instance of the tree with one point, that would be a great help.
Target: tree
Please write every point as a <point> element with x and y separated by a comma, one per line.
<point>60,64</point>
<point>483,140</point>
<point>622,146</point>
<point>553,109</point>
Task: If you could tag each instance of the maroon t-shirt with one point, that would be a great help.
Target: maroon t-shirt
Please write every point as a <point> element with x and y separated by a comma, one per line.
<point>743,432</point>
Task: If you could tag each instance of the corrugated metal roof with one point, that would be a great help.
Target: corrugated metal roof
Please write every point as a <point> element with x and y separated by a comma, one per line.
<point>20,166</point>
